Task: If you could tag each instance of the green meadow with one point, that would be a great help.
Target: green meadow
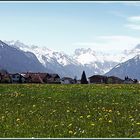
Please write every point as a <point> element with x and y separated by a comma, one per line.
<point>69,111</point>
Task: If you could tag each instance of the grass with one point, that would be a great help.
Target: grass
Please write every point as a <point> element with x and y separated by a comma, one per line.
<point>61,111</point>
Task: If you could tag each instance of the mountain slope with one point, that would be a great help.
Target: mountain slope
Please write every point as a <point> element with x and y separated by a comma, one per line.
<point>130,68</point>
<point>83,59</point>
<point>57,62</point>
<point>14,60</point>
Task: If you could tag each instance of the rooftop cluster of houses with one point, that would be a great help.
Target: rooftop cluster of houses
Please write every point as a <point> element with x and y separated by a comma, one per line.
<point>30,77</point>
<point>48,78</point>
<point>100,79</point>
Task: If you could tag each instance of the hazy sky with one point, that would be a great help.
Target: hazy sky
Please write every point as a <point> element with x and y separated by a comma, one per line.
<point>65,26</point>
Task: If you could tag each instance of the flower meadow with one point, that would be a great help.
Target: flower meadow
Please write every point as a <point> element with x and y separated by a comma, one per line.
<point>69,111</point>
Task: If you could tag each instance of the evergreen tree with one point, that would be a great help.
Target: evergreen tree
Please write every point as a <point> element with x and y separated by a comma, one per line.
<point>135,81</point>
<point>83,78</point>
<point>20,79</point>
<point>75,79</point>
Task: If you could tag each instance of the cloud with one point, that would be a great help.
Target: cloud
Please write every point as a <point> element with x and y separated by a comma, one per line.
<point>133,26</point>
<point>132,3</point>
<point>133,22</point>
<point>112,44</point>
<point>117,13</point>
<point>134,19</point>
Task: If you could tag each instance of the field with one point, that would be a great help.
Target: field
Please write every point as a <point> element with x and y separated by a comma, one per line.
<point>74,111</point>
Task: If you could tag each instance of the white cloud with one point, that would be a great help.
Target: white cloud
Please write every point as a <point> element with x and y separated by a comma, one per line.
<point>134,19</point>
<point>132,3</point>
<point>133,26</point>
<point>112,44</point>
<point>133,22</point>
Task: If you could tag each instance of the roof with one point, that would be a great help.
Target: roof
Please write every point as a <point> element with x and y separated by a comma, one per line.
<point>97,76</point>
<point>67,78</point>
<point>114,77</point>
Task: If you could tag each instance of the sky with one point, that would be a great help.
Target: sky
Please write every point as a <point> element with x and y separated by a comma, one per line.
<point>66,26</point>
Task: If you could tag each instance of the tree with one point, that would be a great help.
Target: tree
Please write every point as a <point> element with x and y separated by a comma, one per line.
<point>83,78</point>
<point>75,79</point>
<point>20,79</point>
<point>135,81</point>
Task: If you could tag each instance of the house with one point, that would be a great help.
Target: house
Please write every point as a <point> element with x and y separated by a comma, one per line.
<point>42,78</point>
<point>67,80</point>
<point>33,77</point>
<point>114,80</point>
<point>128,80</point>
<point>78,81</point>
<point>17,78</point>
<point>98,79</point>
<point>53,79</point>
<point>4,76</point>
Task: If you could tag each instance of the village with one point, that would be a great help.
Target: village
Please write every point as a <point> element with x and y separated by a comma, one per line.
<point>42,78</point>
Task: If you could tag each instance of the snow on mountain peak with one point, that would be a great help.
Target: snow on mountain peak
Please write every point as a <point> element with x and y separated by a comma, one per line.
<point>137,46</point>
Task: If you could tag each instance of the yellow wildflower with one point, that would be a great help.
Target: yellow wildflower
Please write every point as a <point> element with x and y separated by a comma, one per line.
<point>88,116</point>
<point>81,117</point>
<point>68,111</point>
<point>92,124</point>
<point>70,125</point>
<point>70,132</point>
<point>18,119</point>
<point>110,121</point>
<point>100,119</point>
<point>110,110</point>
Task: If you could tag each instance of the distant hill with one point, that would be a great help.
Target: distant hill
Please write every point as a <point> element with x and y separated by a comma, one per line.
<point>14,60</point>
<point>130,68</point>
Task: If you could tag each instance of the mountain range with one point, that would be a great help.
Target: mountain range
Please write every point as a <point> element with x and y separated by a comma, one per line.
<point>15,56</point>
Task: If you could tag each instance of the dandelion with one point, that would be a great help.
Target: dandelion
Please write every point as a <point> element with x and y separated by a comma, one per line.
<point>103,108</point>
<point>70,132</point>
<point>110,121</point>
<point>55,125</point>
<point>17,119</point>
<point>92,124</point>
<point>100,119</point>
<point>118,113</point>
<point>138,123</point>
<point>70,125</point>
<point>54,111</point>
<point>68,111</point>
<point>88,116</point>
<point>83,131</point>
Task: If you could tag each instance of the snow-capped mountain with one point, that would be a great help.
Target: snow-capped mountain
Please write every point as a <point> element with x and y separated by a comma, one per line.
<point>130,68</point>
<point>65,65</point>
<point>100,61</point>
<point>56,62</point>
<point>83,59</point>
<point>14,60</point>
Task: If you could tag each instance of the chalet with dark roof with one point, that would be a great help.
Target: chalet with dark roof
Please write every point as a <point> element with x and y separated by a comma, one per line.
<point>98,79</point>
